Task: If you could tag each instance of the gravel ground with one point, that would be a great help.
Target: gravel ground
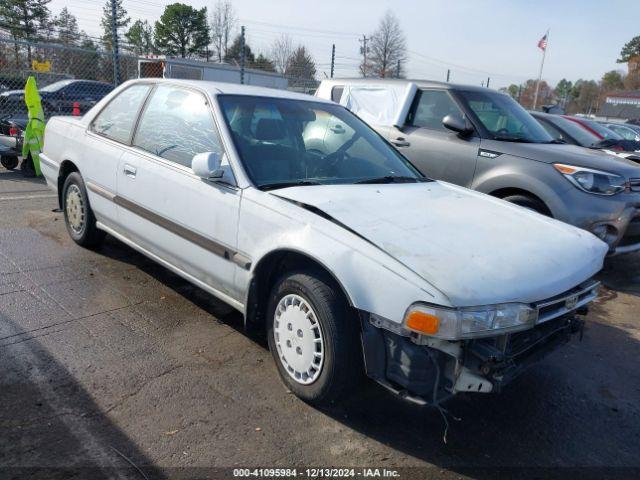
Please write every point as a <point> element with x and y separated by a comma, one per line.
<point>113,367</point>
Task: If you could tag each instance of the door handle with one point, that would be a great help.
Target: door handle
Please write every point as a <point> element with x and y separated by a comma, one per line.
<point>337,129</point>
<point>129,171</point>
<point>400,142</point>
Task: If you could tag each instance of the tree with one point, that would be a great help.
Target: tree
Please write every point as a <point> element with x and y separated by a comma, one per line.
<point>301,69</point>
<point>122,20</point>
<point>528,92</point>
<point>613,80</point>
<point>586,96</point>
<point>563,91</point>
<point>67,25</point>
<point>234,53</point>
<point>140,37</point>
<point>223,21</point>
<point>511,90</point>
<point>281,51</point>
<point>182,30</point>
<point>264,63</point>
<point>387,48</point>
<point>23,19</point>
<point>630,50</point>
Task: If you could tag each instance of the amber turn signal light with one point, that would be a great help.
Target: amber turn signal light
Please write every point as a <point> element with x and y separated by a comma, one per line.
<point>422,322</point>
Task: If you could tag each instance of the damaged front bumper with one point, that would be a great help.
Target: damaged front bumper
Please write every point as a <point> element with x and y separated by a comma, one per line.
<point>428,371</point>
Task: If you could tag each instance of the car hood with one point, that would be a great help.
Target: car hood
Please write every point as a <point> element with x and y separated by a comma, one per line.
<point>475,249</point>
<point>568,154</point>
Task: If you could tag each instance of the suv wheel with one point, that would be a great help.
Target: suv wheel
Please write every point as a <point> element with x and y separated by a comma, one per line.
<point>9,161</point>
<point>313,337</point>
<point>78,216</point>
<point>529,203</point>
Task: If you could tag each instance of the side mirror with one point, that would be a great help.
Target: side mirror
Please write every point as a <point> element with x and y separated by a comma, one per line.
<point>457,124</point>
<point>207,165</point>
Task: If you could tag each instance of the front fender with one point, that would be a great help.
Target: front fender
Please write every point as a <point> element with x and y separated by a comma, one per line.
<point>371,279</point>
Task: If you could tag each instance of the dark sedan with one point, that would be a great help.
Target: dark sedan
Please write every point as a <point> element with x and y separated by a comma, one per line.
<point>59,98</point>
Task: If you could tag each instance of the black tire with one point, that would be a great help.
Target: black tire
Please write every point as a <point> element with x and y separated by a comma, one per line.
<point>342,365</point>
<point>529,202</point>
<point>9,161</point>
<point>78,216</point>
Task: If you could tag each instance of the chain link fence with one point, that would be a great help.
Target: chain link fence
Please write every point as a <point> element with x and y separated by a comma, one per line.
<point>72,79</point>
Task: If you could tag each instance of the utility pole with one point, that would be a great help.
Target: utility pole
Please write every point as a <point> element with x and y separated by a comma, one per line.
<point>488,80</point>
<point>364,49</point>
<point>333,58</point>
<point>114,40</point>
<point>242,55</point>
<point>448,74</point>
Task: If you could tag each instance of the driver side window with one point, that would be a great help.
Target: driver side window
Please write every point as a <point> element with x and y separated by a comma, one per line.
<point>430,107</point>
<point>176,125</point>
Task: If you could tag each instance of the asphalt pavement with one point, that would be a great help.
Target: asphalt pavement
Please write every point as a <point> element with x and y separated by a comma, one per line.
<point>113,367</point>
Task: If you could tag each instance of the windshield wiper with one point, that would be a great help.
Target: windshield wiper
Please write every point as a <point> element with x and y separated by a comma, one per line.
<point>295,183</point>
<point>557,141</point>
<point>394,179</point>
<point>512,139</point>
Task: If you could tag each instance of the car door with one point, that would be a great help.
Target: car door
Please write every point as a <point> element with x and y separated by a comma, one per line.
<point>163,207</point>
<point>436,151</point>
<point>105,141</point>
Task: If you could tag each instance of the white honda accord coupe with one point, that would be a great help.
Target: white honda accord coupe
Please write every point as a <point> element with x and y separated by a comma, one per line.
<point>296,213</point>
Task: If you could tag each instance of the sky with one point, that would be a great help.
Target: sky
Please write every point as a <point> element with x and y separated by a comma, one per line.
<point>475,39</point>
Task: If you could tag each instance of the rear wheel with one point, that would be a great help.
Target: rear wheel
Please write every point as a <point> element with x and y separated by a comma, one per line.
<point>78,216</point>
<point>313,337</point>
<point>529,202</point>
<point>9,161</point>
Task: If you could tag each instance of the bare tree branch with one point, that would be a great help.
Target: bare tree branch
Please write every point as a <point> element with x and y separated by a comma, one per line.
<point>223,22</point>
<point>387,49</point>
<point>281,52</point>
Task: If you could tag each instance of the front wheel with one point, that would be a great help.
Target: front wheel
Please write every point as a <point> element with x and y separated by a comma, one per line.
<point>313,337</point>
<point>529,203</point>
<point>78,216</point>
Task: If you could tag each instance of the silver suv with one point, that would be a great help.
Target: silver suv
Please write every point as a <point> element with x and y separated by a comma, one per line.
<point>484,140</point>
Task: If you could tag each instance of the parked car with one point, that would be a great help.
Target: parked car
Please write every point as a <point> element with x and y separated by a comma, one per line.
<point>624,131</point>
<point>343,254</point>
<point>484,140</point>
<point>565,130</point>
<point>58,98</point>
<point>11,136</point>
<point>605,133</point>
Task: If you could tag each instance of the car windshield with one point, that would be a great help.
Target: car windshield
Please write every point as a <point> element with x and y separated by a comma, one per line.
<point>601,130</point>
<point>285,142</point>
<point>583,136</point>
<point>54,87</point>
<point>503,118</point>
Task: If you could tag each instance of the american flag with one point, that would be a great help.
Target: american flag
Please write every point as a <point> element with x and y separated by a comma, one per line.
<point>542,44</point>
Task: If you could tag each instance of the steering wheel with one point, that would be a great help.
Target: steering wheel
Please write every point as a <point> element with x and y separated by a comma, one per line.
<point>334,160</point>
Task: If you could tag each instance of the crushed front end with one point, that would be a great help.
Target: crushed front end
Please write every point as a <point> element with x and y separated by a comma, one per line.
<point>428,370</point>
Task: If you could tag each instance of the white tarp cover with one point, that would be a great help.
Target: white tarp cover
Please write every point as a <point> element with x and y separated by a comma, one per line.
<point>379,104</point>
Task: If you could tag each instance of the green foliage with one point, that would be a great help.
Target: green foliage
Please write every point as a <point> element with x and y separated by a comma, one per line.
<point>140,37</point>
<point>23,18</point>
<point>564,90</point>
<point>263,63</point>
<point>301,67</point>
<point>67,27</point>
<point>182,30</point>
<point>631,49</point>
<point>613,80</point>
<point>233,53</point>
<point>122,20</point>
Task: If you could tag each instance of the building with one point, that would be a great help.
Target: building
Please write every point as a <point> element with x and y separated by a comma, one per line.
<point>624,105</point>
<point>215,72</point>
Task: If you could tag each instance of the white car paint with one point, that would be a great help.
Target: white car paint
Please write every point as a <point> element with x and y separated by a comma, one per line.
<point>430,242</point>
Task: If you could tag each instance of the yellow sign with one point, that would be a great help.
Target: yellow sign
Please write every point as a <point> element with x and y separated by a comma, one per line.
<point>41,67</point>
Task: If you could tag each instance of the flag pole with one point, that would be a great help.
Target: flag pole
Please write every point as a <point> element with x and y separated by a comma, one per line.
<point>544,53</point>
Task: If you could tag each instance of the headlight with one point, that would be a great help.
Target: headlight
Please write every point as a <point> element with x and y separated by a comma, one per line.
<point>458,323</point>
<point>592,181</point>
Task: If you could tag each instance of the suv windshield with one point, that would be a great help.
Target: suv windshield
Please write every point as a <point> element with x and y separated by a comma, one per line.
<point>285,142</point>
<point>503,118</point>
<point>583,136</point>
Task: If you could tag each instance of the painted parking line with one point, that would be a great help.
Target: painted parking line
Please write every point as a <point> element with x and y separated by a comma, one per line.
<point>28,197</point>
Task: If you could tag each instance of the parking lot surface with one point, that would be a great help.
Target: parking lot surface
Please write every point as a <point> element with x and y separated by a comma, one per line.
<point>113,366</point>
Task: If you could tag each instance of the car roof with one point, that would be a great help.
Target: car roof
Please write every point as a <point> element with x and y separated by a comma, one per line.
<point>420,83</point>
<point>224,88</point>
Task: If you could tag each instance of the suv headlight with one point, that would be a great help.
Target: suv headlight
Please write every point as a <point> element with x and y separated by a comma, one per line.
<point>471,322</point>
<point>592,181</point>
